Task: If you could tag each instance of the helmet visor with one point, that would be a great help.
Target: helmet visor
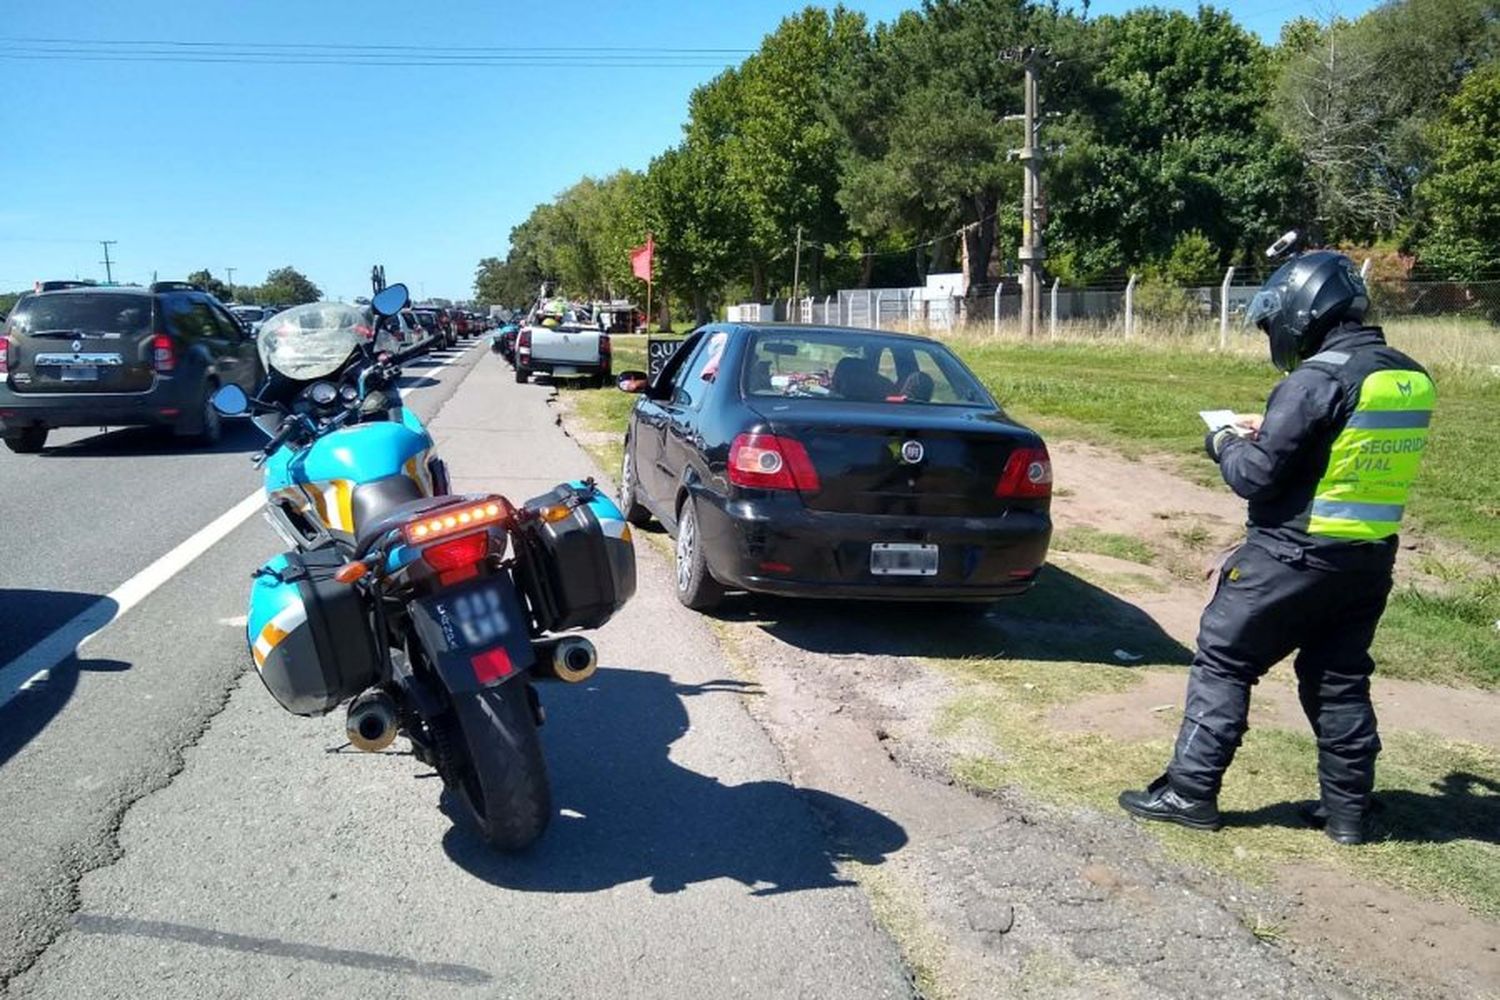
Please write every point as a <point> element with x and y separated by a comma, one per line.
<point>1267,303</point>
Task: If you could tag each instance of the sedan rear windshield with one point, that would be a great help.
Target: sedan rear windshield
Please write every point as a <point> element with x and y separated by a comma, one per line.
<point>858,367</point>
<point>82,312</point>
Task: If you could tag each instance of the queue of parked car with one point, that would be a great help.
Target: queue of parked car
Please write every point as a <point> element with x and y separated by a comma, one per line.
<point>83,354</point>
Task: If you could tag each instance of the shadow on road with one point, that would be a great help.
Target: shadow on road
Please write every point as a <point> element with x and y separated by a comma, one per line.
<point>31,616</point>
<point>1462,806</point>
<point>1062,618</point>
<point>240,436</point>
<point>629,812</point>
<point>161,930</point>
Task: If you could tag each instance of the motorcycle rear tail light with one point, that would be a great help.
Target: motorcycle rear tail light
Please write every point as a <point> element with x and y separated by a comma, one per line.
<point>457,553</point>
<point>163,354</point>
<point>453,521</point>
<point>1027,475</point>
<point>768,462</point>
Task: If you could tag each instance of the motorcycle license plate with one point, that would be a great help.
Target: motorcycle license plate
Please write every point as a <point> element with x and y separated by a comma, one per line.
<point>80,373</point>
<point>903,559</point>
<point>480,616</point>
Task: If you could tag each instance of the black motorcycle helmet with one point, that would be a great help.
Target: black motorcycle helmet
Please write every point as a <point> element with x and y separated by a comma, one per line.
<point>1306,297</point>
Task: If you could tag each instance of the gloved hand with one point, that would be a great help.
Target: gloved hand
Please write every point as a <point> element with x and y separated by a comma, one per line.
<point>1213,441</point>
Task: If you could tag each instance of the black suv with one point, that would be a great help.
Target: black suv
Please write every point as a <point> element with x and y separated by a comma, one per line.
<point>119,356</point>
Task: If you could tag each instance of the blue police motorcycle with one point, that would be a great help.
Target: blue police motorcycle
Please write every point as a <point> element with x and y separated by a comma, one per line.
<point>428,615</point>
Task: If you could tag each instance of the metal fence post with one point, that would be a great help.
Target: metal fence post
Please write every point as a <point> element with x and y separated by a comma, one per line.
<point>875,320</point>
<point>1052,314</point>
<point>827,310</point>
<point>1224,309</point>
<point>911,311</point>
<point>1364,269</point>
<point>1130,306</point>
<point>996,328</point>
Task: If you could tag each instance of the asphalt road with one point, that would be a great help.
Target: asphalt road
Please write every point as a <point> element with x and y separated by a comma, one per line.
<point>170,831</point>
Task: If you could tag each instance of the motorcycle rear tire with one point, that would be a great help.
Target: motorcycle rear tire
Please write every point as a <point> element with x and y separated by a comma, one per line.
<point>503,792</point>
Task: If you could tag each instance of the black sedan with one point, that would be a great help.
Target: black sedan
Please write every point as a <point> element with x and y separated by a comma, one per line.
<point>833,462</point>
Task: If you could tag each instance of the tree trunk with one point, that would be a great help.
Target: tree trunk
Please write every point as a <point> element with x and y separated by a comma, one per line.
<point>700,307</point>
<point>866,268</point>
<point>979,240</point>
<point>757,281</point>
<point>664,313</point>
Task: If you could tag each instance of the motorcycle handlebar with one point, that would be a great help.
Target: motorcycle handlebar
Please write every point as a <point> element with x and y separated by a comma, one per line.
<point>283,434</point>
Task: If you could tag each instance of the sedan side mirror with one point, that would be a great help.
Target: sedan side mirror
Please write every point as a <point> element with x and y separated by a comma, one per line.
<point>231,401</point>
<point>633,381</point>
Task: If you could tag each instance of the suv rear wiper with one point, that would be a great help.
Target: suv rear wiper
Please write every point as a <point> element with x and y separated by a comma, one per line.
<point>55,333</point>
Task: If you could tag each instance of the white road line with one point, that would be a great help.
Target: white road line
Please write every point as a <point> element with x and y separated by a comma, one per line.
<point>71,637</point>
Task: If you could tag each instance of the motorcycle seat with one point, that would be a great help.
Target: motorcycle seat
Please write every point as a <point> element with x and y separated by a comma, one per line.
<point>379,526</point>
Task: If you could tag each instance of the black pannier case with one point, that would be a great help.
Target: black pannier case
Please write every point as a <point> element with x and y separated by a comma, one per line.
<point>329,658</point>
<point>576,569</point>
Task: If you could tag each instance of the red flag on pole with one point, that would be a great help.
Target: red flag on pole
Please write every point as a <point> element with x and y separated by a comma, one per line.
<point>641,259</point>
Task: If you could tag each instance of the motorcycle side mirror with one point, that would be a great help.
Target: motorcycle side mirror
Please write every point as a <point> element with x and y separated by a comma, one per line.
<point>231,401</point>
<point>389,301</point>
<point>633,381</point>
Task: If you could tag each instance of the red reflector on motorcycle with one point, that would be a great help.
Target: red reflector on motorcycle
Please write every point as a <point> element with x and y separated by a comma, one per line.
<point>454,520</point>
<point>492,665</point>
<point>457,553</point>
<point>1028,474</point>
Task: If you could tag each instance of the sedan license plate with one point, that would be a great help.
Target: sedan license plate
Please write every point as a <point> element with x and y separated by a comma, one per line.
<point>903,559</point>
<point>80,373</point>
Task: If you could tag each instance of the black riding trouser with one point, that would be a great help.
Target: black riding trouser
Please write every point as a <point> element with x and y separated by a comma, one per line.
<point>1264,608</point>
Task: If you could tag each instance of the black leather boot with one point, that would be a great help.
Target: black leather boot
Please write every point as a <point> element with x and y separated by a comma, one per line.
<point>1160,802</point>
<point>1348,831</point>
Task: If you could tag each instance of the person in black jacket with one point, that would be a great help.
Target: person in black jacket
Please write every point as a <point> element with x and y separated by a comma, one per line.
<point>1326,472</point>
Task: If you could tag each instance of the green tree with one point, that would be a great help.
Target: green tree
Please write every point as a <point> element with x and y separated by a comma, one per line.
<point>1175,139</point>
<point>288,286</point>
<point>1461,197</point>
<point>213,286</point>
<point>1358,100</point>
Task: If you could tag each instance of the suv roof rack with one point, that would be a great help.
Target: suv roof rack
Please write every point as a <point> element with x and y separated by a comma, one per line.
<point>174,286</point>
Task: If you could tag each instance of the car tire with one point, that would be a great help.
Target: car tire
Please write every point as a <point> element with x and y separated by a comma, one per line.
<point>210,424</point>
<point>635,513</point>
<point>522,375</point>
<point>696,587</point>
<point>29,441</point>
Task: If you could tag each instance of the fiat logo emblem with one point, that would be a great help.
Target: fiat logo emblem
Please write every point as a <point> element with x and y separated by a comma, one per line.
<point>912,452</point>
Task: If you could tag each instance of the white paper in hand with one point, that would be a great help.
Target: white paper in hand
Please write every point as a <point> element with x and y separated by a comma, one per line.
<point>1219,419</point>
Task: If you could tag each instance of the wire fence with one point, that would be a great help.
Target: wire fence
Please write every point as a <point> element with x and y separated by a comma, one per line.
<point>1122,309</point>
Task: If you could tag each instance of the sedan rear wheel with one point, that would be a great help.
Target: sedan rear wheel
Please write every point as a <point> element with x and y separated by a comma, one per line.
<point>27,442</point>
<point>630,503</point>
<point>696,587</point>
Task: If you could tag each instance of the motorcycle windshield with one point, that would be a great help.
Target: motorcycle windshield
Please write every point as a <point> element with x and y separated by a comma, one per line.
<point>313,341</point>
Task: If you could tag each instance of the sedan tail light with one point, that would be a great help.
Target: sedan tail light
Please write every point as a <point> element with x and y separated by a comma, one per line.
<point>163,353</point>
<point>1027,475</point>
<point>768,462</point>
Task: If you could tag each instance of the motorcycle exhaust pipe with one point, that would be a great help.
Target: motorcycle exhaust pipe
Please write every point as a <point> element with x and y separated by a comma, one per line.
<point>571,660</point>
<point>372,721</point>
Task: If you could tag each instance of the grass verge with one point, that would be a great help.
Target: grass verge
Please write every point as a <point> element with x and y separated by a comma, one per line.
<point>1442,800</point>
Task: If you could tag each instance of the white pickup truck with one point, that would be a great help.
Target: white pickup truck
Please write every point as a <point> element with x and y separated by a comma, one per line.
<point>572,348</point>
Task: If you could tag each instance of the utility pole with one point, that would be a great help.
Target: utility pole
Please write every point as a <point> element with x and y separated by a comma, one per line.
<point>1032,252</point>
<point>230,271</point>
<point>796,270</point>
<point>109,274</point>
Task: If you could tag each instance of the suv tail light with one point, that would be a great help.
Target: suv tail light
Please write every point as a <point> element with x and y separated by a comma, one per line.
<point>768,462</point>
<point>1027,475</point>
<point>163,353</point>
<point>4,355</point>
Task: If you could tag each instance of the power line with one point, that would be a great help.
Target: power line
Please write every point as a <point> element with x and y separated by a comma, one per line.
<point>335,46</point>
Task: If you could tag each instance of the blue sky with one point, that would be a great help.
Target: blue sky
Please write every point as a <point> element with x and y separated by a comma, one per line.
<point>332,168</point>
